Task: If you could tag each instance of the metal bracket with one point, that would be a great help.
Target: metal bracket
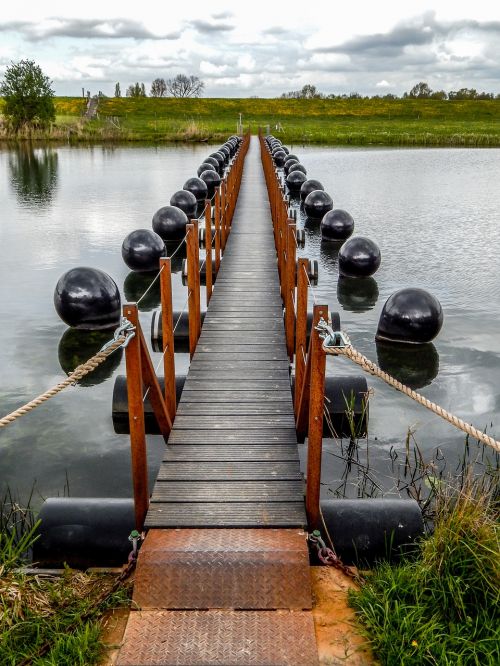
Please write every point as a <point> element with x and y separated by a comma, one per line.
<point>127,329</point>
<point>331,339</point>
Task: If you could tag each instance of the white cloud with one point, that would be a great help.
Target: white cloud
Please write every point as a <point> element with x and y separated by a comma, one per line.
<point>383,84</point>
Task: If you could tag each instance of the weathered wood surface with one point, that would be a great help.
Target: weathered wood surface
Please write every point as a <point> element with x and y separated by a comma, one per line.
<point>232,458</point>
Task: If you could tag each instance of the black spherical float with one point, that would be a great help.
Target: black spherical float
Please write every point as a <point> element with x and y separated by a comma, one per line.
<point>309,186</point>
<point>337,225</point>
<point>317,204</point>
<point>220,158</point>
<point>215,163</point>
<point>411,316</point>
<point>295,180</point>
<point>87,298</point>
<point>212,181</point>
<point>359,257</point>
<point>279,158</point>
<point>226,152</point>
<point>142,249</point>
<point>291,156</point>
<point>285,150</point>
<point>170,222</point>
<point>206,166</point>
<point>297,166</point>
<point>196,186</point>
<point>186,201</point>
<point>289,163</point>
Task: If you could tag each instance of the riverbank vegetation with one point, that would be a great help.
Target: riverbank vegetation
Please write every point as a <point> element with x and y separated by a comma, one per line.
<point>339,121</point>
<point>442,605</point>
<point>48,619</point>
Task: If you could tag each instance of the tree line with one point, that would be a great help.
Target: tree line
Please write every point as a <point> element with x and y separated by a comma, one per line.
<point>180,86</point>
<point>420,90</point>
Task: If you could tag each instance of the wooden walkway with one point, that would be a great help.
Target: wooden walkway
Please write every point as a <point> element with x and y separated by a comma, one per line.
<point>232,458</point>
<point>205,594</point>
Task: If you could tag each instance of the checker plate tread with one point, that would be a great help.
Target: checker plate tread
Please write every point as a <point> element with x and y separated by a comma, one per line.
<point>219,638</point>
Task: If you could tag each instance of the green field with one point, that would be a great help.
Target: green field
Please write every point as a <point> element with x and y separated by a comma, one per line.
<point>422,122</point>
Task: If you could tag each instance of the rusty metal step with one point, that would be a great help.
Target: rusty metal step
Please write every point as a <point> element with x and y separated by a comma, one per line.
<point>219,638</point>
<point>223,568</point>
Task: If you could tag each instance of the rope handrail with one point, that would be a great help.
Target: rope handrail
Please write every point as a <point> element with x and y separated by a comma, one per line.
<point>372,368</point>
<point>79,372</point>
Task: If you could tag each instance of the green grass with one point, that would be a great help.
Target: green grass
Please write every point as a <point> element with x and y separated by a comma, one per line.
<point>52,621</point>
<point>418,122</point>
<point>442,607</point>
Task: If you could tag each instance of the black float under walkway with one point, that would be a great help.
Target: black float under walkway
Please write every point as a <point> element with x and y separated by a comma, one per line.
<point>232,458</point>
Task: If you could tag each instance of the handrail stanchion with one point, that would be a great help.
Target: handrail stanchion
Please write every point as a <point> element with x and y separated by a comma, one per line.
<point>315,430</point>
<point>193,269</point>
<point>290,268</point>
<point>208,249</point>
<point>168,336</point>
<point>217,241</point>
<point>218,219</point>
<point>300,331</point>
<point>136,421</point>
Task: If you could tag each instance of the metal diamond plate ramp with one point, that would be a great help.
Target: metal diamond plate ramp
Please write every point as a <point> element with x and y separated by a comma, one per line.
<point>223,568</point>
<point>219,638</point>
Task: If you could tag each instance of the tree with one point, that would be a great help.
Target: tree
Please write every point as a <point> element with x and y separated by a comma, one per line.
<point>185,86</point>
<point>118,92</point>
<point>29,98</point>
<point>136,90</point>
<point>307,92</point>
<point>421,89</point>
<point>158,88</point>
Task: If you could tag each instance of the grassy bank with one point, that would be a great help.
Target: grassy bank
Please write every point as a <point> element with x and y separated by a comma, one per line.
<point>441,607</point>
<point>418,122</point>
<point>48,620</point>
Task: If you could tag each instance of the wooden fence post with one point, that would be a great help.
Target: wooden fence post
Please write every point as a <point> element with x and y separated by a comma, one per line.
<point>208,249</point>
<point>136,419</point>
<point>168,335</point>
<point>300,331</point>
<point>315,430</point>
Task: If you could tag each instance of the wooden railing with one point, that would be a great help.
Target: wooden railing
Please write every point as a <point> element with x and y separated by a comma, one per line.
<point>310,361</point>
<point>141,376</point>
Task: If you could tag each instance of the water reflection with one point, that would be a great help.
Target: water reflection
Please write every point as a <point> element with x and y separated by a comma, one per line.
<point>135,286</point>
<point>357,294</point>
<point>414,365</point>
<point>329,252</point>
<point>180,254</point>
<point>33,174</point>
<point>77,346</point>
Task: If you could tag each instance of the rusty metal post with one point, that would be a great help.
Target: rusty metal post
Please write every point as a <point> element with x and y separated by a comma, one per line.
<point>192,269</point>
<point>136,419</point>
<point>168,335</point>
<point>315,430</point>
<point>290,287</point>
<point>300,331</point>
<point>208,249</point>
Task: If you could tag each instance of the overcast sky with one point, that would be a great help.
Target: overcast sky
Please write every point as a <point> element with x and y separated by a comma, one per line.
<point>260,48</point>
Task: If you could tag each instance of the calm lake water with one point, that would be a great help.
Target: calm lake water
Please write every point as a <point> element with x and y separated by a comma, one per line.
<point>433,212</point>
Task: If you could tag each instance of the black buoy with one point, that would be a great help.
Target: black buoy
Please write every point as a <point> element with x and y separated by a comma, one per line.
<point>411,316</point>
<point>186,201</point>
<point>368,530</point>
<point>170,222</point>
<point>206,166</point>
<point>337,225</point>
<point>413,365</point>
<point>317,204</point>
<point>212,180</point>
<point>221,160</point>
<point>279,158</point>
<point>87,298</point>
<point>224,150</point>
<point>295,180</point>
<point>215,163</point>
<point>142,249</point>
<point>309,186</point>
<point>297,166</point>
<point>291,156</point>
<point>285,150</point>
<point>198,187</point>
<point>288,165</point>
<point>359,257</point>
<point>84,532</point>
